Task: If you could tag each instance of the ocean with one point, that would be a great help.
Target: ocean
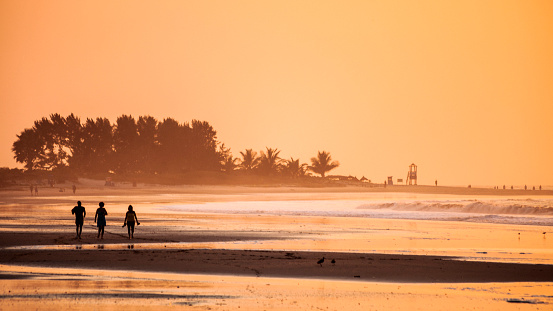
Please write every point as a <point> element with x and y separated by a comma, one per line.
<point>537,211</point>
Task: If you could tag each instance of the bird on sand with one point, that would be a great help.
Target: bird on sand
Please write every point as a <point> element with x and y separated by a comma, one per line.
<point>333,262</point>
<point>320,262</point>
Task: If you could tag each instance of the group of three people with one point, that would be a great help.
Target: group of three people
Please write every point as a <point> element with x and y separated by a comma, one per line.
<point>100,219</point>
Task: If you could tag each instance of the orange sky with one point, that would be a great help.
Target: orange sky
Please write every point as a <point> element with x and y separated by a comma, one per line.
<point>462,88</point>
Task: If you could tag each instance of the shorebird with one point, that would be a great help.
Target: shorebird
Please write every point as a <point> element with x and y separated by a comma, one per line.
<point>320,262</point>
<point>333,262</point>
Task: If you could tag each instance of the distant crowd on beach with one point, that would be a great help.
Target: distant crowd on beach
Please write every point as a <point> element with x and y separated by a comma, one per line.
<point>100,219</point>
<point>34,189</point>
<point>525,187</point>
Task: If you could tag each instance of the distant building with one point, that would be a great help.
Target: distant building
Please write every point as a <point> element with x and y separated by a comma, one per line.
<point>342,178</point>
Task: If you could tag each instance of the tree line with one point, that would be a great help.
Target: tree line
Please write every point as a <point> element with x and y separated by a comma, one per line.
<point>146,146</point>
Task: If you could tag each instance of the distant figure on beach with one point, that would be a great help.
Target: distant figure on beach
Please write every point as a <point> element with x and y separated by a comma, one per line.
<point>525,187</point>
<point>436,182</point>
<point>80,213</point>
<point>74,189</point>
<point>32,189</point>
<point>540,187</point>
<point>36,189</point>
<point>101,217</point>
<point>130,217</point>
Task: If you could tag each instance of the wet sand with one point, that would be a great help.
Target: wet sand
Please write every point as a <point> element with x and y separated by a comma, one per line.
<point>83,289</point>
<point>348,266</point>
<point>239,257</point>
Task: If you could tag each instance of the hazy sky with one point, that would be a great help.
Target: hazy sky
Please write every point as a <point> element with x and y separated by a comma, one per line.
<point>464,89</point>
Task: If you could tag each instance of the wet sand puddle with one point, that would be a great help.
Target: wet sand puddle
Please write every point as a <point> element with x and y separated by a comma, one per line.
<point>86,289</point>
<point>49,288</point>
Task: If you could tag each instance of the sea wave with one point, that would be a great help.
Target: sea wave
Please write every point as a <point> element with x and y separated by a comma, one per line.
<point>500,211</point>
<point>495,207</point>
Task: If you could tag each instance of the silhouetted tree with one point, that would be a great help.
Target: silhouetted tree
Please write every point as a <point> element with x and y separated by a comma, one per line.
<point>28,148</point>
<point>57,142</point>
<point>171,137</point>
<point>65,145</point>
<point>73,134</point>
<point>322,163</point>
<point>293,168</point>
<point>94,154</point>
<point>249,160</point>
<point>125,144</point>
<point>147,143</point>
<point>203,153</point>
<point>48,157</point>
<point>269,162</point>
<point>228,162</point>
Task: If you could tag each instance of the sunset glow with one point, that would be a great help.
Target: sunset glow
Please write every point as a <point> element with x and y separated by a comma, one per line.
<point>463,89</point>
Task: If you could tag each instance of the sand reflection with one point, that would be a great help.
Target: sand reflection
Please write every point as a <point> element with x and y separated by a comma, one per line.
<point>48,288</point>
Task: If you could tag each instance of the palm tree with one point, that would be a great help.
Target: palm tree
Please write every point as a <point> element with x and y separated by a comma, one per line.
<point>229,163</point>
<point>294,168</point>
<point>250,160</point>
<point>321,164</point>
<point>270,162</point>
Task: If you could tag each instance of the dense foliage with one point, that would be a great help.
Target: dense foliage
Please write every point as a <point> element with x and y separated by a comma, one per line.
<point>144,146</point>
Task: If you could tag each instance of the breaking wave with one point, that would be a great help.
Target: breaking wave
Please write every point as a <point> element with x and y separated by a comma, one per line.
<point>501,211</point>
<point>494,207</point>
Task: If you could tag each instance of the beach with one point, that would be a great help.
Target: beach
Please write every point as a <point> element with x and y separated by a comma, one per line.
<point>230,247</point>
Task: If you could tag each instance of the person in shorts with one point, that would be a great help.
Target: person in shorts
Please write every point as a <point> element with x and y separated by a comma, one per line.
<point>80,213</point>
<point>130,218</point>
<point>101,219</point>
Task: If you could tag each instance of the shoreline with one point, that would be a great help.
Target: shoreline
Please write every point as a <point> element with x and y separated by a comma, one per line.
<point>191,193</point>
<point>265,245</point>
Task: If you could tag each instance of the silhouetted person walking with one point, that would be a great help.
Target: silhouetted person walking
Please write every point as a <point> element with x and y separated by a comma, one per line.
<point>80,213</point>
<point>74,189</point>
<point>130,217</point>
<point>32,189</point>
<point>36,190</point>
<point>101,217</point>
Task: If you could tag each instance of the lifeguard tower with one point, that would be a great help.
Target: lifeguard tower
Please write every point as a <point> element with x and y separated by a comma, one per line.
<point>412,174</point>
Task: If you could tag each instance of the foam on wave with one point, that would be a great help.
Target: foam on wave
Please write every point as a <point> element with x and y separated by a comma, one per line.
<point>495,207</point>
